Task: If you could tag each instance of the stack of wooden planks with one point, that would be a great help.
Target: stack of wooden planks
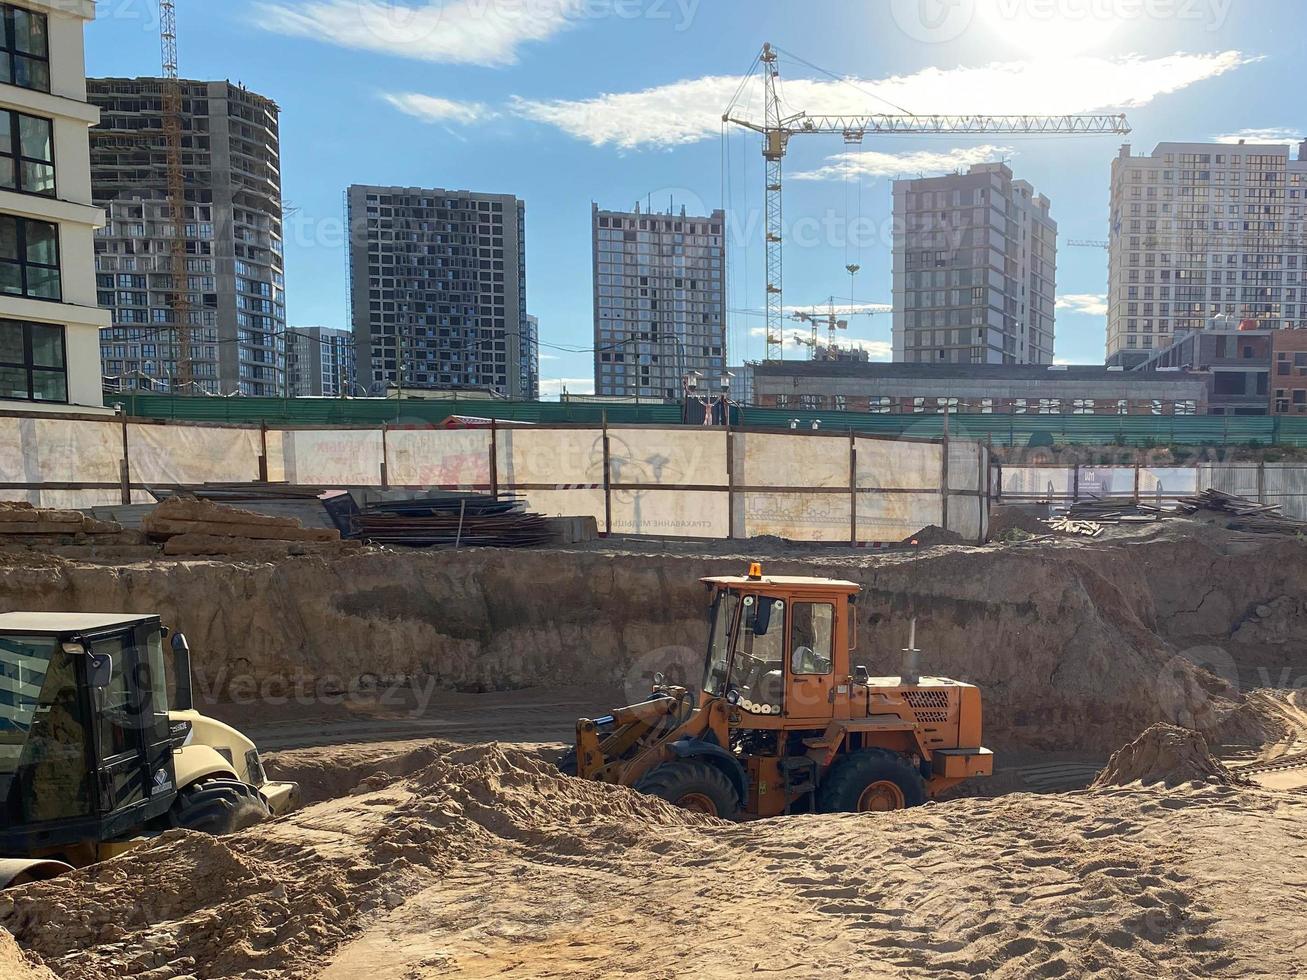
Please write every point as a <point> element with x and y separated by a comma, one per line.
<point>1241,514</point>
<point>189,526</point>
<point>22,523</point>
<point>1090,517</point>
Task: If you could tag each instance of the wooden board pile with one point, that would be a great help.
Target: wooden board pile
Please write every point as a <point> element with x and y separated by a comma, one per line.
<point>1241,514</point>
<point>188,526</point>
<point>1088,518</point>
<point>24,524</point>
<point>452,520</point>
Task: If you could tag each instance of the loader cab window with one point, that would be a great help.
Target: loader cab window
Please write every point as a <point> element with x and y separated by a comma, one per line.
<point>44,742</point>
<point>758,667</point>
<point>719,644</point>
<point>812,627</point>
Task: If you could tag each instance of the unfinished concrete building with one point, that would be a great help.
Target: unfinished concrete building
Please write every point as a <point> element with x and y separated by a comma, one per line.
<point>438,289</point>
<point>235,272</point>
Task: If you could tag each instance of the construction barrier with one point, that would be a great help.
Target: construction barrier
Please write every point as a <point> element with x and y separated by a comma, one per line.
<point>1282,484</point>
<point>667,481</point>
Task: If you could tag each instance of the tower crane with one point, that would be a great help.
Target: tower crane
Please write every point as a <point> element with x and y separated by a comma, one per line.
<point>179,297</point>
<point>778,128</point>
<point>832,320</point>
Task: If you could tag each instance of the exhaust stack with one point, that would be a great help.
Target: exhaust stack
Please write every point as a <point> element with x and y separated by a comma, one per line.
<point>912,657</point>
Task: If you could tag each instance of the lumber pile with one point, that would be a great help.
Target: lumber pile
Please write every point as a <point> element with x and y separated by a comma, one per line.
<point>1241,514</point>
<point>452,520</point>
<point>24,524</point>
<point>188,526</point>
<point>1088,518</point>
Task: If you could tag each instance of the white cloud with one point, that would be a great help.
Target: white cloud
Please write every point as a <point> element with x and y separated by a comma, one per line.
<point>430,108</point>
<point>670,115</point>
<point>690,110</point>
<point>1092,304</point>
<point>1272,135</point>
<point>873,164</point>
<point>477,32</point>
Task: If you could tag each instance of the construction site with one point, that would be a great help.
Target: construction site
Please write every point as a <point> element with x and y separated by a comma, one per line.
<point>351,689</point>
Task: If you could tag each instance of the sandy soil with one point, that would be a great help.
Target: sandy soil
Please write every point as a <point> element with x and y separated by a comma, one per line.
<point>485,862</point>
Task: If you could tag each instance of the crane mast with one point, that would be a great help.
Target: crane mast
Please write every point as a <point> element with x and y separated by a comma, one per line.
<point>179,297</point>
<point>778,128</point>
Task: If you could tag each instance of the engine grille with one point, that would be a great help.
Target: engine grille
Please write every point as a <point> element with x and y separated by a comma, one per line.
<point>926,699</point>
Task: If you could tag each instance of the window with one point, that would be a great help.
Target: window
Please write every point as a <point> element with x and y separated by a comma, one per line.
<point>24,48</point>
<point>32,362</point>
<point>29,258</point>
<point>26,153</point>
<point>811,632</point>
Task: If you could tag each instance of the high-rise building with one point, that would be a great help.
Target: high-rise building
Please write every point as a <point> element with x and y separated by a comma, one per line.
<point>437,288</point>
<point>659,300</point>
<point>49,321</point>
<point>529,358</point>
<point>1201,230</point>
<point>321,362</point>
<point>233,227</point>
<point>975,270</point>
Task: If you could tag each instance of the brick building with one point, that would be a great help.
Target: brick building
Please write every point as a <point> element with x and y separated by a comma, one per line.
<point>1289,380</point>
<point>985,389</point>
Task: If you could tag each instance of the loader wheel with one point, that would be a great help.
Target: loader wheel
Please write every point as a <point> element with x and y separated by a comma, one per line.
<point>695,786</point>
<point>871,781</point>
<point>218,807</point>
<point>567,763</point>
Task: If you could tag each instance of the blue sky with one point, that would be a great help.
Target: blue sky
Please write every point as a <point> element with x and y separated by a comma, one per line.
<point>567,101</point>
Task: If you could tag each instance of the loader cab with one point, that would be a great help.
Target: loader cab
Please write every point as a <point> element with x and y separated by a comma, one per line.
<point>85,747</point>
<point>779,647</point>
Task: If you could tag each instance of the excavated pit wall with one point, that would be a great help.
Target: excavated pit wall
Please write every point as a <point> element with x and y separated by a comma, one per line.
<point>1077,645</point>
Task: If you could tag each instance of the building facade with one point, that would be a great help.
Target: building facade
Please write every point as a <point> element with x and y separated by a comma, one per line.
<point>975,270</point>
<point>983,389</point>
<point>1289,381</point>
<point>321,362</point>
<point>437,288</point>
<point>1238,361</point>
<point>659,300</point>
<point>235,276</point>
<point>49,320</point>
<point>1200,230</point>
<point>529,358</point>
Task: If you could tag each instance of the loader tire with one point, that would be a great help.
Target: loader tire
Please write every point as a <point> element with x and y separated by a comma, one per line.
<point>691,785</point>
<point>869,781</point>
<point>567,763</point>
<point>218,807</point>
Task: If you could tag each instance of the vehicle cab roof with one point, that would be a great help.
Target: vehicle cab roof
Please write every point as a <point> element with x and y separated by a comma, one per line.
<point>56,623</point>
<point>795,583</point>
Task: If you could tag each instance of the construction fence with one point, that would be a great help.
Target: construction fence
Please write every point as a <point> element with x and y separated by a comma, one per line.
<point>665,481</point>
<point>1281,484</point>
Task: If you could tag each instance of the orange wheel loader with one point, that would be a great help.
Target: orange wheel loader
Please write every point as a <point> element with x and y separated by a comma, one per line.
<point>785,722</point>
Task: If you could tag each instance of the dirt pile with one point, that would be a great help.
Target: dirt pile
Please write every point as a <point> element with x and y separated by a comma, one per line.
<point>488,863</point>
<point>1164,754</point>
<point>1078,645</point>
<point>17,965</point>
<point>282,894</point>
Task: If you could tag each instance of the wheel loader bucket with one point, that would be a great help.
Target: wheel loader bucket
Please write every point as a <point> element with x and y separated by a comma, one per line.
<point>16,871</point>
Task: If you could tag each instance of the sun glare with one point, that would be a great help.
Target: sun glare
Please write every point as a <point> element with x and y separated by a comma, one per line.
<point>1051,28</point>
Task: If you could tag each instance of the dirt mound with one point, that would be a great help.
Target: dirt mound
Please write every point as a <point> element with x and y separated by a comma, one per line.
<point>266,901</point>
<point>17,965</point>
<point>930,537</point>
<point>329,773</point>
<point>1164,754</point>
